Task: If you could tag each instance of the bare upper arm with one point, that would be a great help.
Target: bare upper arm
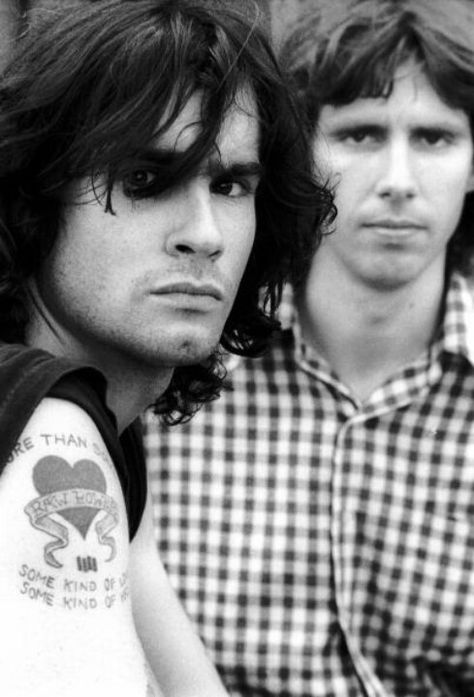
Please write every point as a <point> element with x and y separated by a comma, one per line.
<point>66,623</point>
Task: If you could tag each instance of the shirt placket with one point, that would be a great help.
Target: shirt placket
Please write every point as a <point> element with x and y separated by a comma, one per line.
<point>342,552</point>
<point>345,497</point>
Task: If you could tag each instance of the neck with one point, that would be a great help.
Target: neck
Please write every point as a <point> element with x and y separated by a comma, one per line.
<point>131,386</point>
<point>130,392</point>
<point>368,334</point>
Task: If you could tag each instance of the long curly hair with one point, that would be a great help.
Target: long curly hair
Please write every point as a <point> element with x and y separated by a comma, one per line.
<point>342,50</point>
<point>85,92</point>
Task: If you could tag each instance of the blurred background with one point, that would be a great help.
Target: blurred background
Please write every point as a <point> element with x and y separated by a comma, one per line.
<point>284,12</point>
<point>278,13</point>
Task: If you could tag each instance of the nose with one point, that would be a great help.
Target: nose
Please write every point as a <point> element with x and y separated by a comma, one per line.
<point>397,179</point>
<point>196,230</point>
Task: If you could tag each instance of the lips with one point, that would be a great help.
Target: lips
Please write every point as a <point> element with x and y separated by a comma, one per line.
<point>395,224</point>
<point>188,288</point>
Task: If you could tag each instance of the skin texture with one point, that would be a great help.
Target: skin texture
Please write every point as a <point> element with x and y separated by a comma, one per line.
<point>405,158</point>
<point>106,287</point>
<point>107,296</point>
<point>57,493</point>
<point>401,168</point>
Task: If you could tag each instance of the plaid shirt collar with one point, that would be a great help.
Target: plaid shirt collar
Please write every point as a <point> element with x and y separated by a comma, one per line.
<point>456,333</point>
<point>455,337</point>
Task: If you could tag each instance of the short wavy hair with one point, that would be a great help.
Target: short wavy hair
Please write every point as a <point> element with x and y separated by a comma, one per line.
<point>86,90</point>
<point>345,49</point>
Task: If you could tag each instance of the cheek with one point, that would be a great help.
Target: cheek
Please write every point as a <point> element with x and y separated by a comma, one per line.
<point>325,157</point>
<point>250,230</point>
<point>245,248</point>
<point>452,174</point>
<point>350,177</point>
<point>449,192</point>
<point>240,240</point>
<point>79,268</point>
<point>237,262</point>
<point>349,191</point>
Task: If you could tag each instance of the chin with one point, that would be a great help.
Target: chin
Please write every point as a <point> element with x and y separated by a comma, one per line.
<point>191,352</point>
<point>390,276</point>
<point>390,282</point>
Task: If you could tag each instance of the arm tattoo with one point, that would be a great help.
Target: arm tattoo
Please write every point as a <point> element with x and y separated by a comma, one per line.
<point>77,493</point>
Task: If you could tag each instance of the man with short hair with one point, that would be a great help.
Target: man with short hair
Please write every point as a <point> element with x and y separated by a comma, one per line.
<point>152,165</point>
<point>317,518</point>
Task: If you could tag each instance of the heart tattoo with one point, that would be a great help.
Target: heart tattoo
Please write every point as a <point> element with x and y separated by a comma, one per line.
<point>76,493</point>
<point>53,474</point>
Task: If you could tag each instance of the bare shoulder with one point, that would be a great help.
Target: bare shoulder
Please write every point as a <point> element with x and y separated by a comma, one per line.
<point>61,490</point>
<point>64,556</point>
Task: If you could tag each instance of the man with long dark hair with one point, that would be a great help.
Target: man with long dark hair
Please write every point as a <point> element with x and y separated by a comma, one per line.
<point>325,546</point>
<point>155,192</point>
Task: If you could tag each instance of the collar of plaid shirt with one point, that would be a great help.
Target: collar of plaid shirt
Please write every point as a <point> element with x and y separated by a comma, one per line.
<point>456,335</point>
<point>326,548</point>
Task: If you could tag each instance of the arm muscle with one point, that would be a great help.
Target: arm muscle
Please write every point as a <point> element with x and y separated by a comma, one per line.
<point>67,625</point>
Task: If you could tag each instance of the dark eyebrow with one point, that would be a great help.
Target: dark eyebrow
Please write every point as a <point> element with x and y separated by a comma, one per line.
<point>217,169</point>
<point>358,125</point>
<point>212,166</point>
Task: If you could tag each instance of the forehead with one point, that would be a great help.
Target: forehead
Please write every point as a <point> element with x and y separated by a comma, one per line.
<point>238,138</point>
<point>413,99</point>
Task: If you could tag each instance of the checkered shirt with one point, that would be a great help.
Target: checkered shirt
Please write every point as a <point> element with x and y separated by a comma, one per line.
<point>324,547</point>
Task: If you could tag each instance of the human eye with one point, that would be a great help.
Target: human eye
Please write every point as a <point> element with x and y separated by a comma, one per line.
<point>138,183</point>
<point>359,135</point>
<point>235,187</point>
<point>434,137</point>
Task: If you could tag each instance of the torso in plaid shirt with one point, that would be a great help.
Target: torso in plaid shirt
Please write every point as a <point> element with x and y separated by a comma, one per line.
<point>322,546</point>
